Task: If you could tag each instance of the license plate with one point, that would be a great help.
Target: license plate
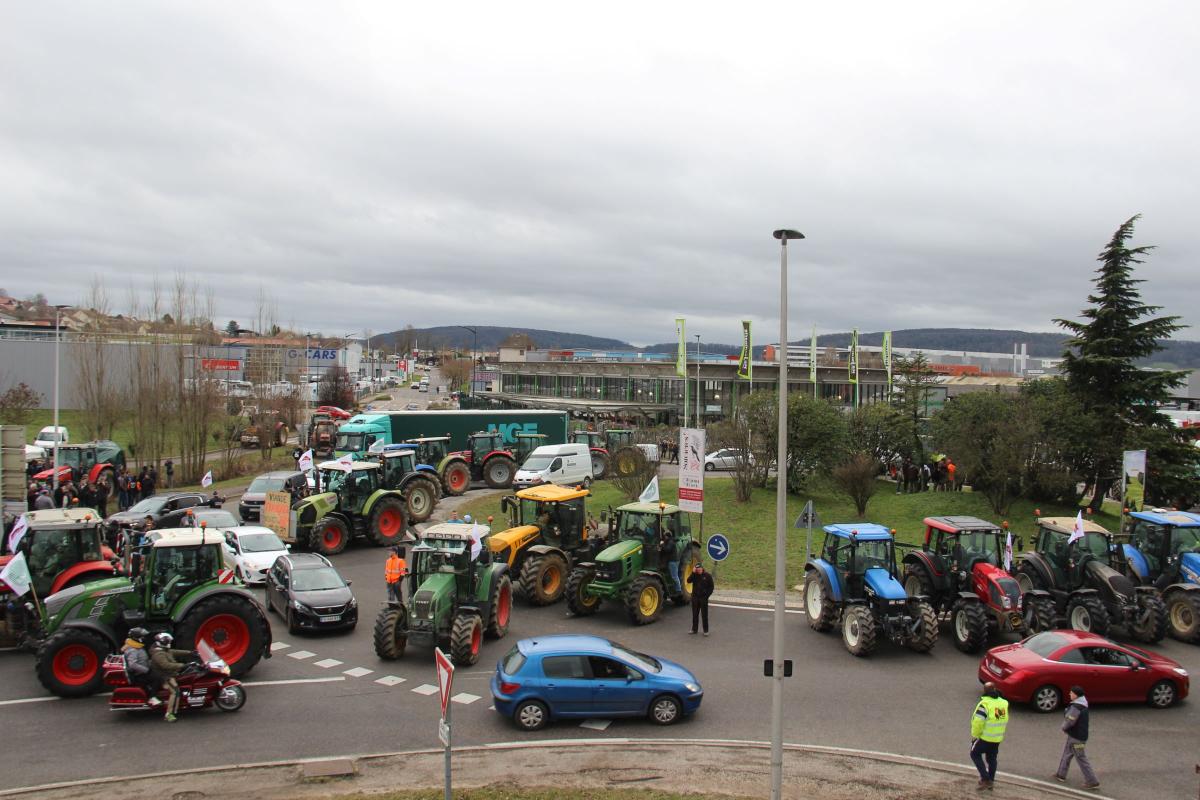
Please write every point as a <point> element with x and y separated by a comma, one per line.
<point>334,618</point>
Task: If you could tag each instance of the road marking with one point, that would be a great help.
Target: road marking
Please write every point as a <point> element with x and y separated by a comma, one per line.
<point>27,700</point>
<point>358,672</point>
<point>301,654</point>
<point>766,609</point>
<point>465,698</point>
<point>277,646</point>
<point>426,689</point>
<point>327,663</point>
<point>596,724</point>
<point>294,681</point>
<point>390,680</point>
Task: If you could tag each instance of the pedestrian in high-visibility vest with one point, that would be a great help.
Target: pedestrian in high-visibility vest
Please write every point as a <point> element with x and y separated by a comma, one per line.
<point>394,571</point>
<point>988,723</point>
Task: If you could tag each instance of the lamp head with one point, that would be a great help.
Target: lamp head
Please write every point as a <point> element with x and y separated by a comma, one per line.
<point>784,234</point>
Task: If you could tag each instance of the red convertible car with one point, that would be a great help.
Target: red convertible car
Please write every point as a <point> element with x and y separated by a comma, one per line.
<point>1041,669</point>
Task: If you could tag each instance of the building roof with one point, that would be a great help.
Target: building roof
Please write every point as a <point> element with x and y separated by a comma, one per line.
<point>866,531</point>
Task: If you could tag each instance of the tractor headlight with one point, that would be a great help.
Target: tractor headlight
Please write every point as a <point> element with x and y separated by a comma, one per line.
<point>1006,601</point>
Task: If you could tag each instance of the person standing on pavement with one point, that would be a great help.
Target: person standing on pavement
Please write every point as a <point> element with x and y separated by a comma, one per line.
<point>702,589</point>
<point>394,570</point>
<point>988,724</point>
<point>170,469</point>
<point>1075,726</point>
<point>102,492</point>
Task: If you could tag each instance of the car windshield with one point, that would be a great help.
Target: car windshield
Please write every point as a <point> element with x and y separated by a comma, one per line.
<point>262,484</point>
<point>50,435</point>
<point>215,518</point>
<point>537,463</point>
<point>259,542</point>
<point>316,580</point>
<point>641,661</point>
<point>151,505</point>
<point>1185,539</point>
<point>350,442</point>
<point>873,554</point>
<point>1045,643</point>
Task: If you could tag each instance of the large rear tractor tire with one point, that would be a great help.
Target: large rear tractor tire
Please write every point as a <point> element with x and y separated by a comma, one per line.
<point>70,662</point>
<point>281,436</point>
<point>1183,614</point>
<point>498,472</point>
<point>543,579</point>
<point>1028,579</point>
<point>859,632</point>
<point>1039,613</point>
<point>970,625</point>
<point>917,581</point>
<point>456,479</point>
<point>644,599</point>
<point>1088,614</point>
<point>501,608</point>
<point>466,639</point>
<point>420,496</point>
<point>599,466</point>
<point>329,536</point>
<point>687,562</point>
<point>387,521</point>
<point>233,625</point>
<point>579,602</point>
<point>626,461</point>
<point>391,632</point>
<point>927,634</point>
<point>818,605</point>
<point>1151,623</point>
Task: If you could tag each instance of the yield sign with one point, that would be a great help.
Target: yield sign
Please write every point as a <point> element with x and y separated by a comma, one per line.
<point>445,673</point>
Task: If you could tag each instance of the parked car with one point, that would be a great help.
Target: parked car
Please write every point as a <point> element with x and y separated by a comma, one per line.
<point>415,385</point>
<point>308,592</point>
<point>412,407</point>
<point>725,458</point>
<point>250,506</point>
<point>1041,670</point>
<point>156,506</point>
<point>564,464</point>
<point>251,551</point>
<point>576,675</point>
<point>334,412</point>
<point>49,436</point>
<point>205,515</point>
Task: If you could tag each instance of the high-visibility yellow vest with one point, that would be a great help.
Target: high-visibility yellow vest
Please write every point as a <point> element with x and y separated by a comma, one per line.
<point>994,717</point>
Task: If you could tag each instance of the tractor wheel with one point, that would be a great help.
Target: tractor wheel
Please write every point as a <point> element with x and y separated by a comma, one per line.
<point>456,479</point>
<point>499,471</point>
<point>970,625</point>
<point>1039,612</point>
<point>329,536</point>
<point>1183,613</point>
<point>419,499</point>
<point>466,639</point>
<point>579,602</point>
<point>1046,699</point>
<point>1028,579</point>
<point>818,606</point>
<point>599,466</point>
<point>391,632</point>
<point>858,630</point>
<point>543,579</point>
<point>231,698</point>
<point>281,436</point>
<point>687,562</point>
<point>924,640</point>
<point>501,608</point>
<point>917,581</point>
<point>69,662</point>
<point>232,625</point>
<point>1088,614</point>
<point>1154,610</point>
<point>387,521</point>
<point>625,461</point>
<point>644,600</point>
<point>1162,695</point>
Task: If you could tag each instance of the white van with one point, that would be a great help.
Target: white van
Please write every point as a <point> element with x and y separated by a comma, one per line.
<point>47,437</point>
<point>566,464</point>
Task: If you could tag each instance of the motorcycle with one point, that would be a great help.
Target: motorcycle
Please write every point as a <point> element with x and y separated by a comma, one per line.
<point>202,683</point>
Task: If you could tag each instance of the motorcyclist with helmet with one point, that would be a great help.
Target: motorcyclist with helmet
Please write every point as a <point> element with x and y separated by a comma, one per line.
<point>137,664</point>
<point>165,663</point>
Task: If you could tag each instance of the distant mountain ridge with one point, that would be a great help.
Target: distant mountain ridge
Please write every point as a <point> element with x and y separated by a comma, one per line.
<point>490,337</point>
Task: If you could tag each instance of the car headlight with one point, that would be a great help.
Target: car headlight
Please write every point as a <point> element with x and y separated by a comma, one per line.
<point>692,687</point>
<point>296,604</point>
<point>1181,671</point>
<point>353,603</point>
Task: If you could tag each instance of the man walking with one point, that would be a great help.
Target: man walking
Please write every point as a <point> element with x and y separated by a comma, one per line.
<point>988,724</point>
<point>702,589</point>
<point>1075,725</point>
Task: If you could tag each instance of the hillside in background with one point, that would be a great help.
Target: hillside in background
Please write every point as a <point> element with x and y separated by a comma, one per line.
<point>490,337</point>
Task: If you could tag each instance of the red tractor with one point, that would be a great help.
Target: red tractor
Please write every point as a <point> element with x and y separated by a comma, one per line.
<point>85,462</point>
<point>62,548</point>
<point>604,446</point>
<point>322,434</point>
<point>960,568</point>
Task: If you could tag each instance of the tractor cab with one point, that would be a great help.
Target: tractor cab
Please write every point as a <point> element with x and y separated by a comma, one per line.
<point>547,535</point>
<point>854,550</point>
<point>398,460</point>
<point>431,449</point>
<point>649,524</point>
<point>1066,558</point>
<point>557,512</point>
<point>63,547</point>
<point>484,443</point>
<point>615,439</point>
<point>963,542</point>
<point>526,443</point>
<point>353,486</point>
<point>178,562</point>
<point>593,439</point>
<point>1164,546</point>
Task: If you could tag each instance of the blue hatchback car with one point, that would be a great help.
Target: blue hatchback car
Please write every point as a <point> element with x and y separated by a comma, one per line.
<point>574,675</point>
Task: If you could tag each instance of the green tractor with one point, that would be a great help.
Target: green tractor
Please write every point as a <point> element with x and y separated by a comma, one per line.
<point>354,502</point>
<point>457,594</point>
<point>177,583</point>
<point>632,569</point>
<point>488,458</point>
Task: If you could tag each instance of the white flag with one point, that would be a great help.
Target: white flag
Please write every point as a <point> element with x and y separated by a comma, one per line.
<point>305,462</point>
<point>16,575</point>
<point>206,481</point>
<point>650,493</point>
<point>18,531</point>
<point>477,532</point>
<point>1008,553</point>
<point>1077,533</point>
<point>346,463</point>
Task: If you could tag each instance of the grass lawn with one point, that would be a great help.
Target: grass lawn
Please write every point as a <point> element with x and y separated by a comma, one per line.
<point>751,526</point>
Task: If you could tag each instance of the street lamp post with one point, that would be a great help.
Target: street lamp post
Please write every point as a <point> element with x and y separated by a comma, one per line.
<point>57,348</point>
<point>474,342</point>
<point>699,424</point>
<point>780,528</point>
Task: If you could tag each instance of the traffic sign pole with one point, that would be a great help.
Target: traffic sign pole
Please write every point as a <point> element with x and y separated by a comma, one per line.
<point>448,734</point>
<point>445,676</point>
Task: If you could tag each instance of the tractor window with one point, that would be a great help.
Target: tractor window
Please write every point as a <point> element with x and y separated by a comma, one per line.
<point>684,524</point>
<point>530,509</point>
<point>178,570</point>
<point>873,554</point>
<point>570,516</point>
<point>1185,540</point>
<point>840,554</point>
<point>1093,544</point>
<point>979,544</point>
<point>639,526</point>
<point>50,554</point>
<point>1054,547</point>
<point>333,479</point>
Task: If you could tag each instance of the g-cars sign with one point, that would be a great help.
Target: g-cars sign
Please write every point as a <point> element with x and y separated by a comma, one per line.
<point>316,355</point>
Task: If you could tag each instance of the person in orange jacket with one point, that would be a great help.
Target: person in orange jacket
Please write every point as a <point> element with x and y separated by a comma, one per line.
<point>394,571</point>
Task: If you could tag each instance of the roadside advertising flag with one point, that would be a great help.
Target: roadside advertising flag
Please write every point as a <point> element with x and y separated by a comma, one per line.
<point>1133,480</point>
<point>346,463</point>
<point>852,361</point>
<point>745,363</point>
<point>206,481</point>
<point>812,357</point>
<point>650,493</point>
<point>681,356</point>
<point>1008,553</point>
<point>18,531</point>
<point>887,358</point>
<point>691,470</point>
<point>16,575</point>
<point>305,462</point>
<point>1077,532</point>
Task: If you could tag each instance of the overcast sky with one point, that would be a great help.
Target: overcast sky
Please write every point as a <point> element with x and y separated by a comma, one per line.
<point>602,171</point>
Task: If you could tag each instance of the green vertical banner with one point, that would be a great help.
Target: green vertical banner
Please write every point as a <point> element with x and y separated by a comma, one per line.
<point>745,363</point>
<point>852,361</point>
<point>812,360</point>
<point>887,359</point>
<point>681,355</point>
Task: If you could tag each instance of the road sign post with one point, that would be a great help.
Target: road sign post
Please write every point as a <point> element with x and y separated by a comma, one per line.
<point>808,517</point>
<point>718,547</point>
<point>445,675</point>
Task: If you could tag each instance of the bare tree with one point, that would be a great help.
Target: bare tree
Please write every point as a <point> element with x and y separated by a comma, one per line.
<point>856,478</point>
<point>100,393</point>
<point>195,390</point>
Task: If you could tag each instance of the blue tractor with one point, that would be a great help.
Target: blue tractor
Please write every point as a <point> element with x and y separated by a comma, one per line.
<point>853,583</point>
<point>1164,552</point>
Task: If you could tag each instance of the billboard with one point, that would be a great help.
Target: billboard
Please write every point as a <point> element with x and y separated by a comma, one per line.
<point>220,364</point>
<point>691,470</point>
<point>1133,480</point>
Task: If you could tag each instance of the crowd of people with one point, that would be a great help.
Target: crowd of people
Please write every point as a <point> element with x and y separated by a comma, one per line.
<point>940,474</point>
<point>130,488</point>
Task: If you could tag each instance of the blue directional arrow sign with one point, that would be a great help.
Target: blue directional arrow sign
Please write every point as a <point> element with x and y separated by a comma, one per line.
<point>718,547</point>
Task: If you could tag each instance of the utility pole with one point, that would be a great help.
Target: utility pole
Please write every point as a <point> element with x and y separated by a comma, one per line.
<point>699,424</point>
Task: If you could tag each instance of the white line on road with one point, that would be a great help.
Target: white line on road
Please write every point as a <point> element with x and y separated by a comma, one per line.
<point>276,646</point>
<point>294,681</point>
<point>390,680</point>
<point>426,689</point>
<point>301,654</point>
<point>465,698</point>
<point>596,724</point>
<point>327,663</point>
<point>27,700</point>
<point>358,672</point>
<point>764,609</point>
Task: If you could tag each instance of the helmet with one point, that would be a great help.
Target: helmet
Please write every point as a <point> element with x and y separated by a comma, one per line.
<point>138,634</point>
<point>163,639</point>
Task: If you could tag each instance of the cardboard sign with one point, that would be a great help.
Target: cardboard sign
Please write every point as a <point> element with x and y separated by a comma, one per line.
<point>275,513</point>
